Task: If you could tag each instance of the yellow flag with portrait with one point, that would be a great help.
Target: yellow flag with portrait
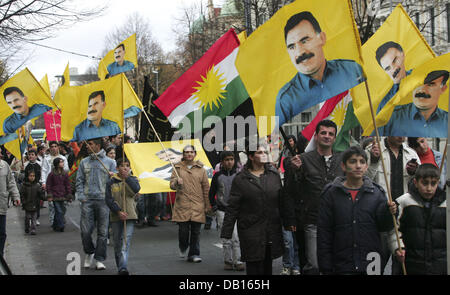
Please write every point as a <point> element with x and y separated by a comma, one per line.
<point>152,165</point>
<point>121,59</point>
<point>308,52</point>
<point>93,110</point>
<point>391,54</point>
<point>420,107</point>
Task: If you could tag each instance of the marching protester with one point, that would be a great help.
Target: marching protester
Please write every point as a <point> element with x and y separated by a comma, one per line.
<point>91,180</point>
<point>34,165</point>
<point>428,155</point>
<point>305,177</point>
<point>30,195</point>
<point>122,210</point>
<point>255,204</point>
<point>422,225</point>
<point>353,210</point>
<point>8,187</point>
<point>400,162</point>
<point>47,164</point>
<point>191,203</point>
<point>220,189</point>
<point>59,191</point>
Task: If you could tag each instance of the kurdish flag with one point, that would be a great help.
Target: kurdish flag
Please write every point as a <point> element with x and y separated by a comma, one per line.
<point>211,87</point>
<point>338,109</point>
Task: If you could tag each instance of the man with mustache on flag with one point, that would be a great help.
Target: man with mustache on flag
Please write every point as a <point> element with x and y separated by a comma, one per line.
<point>422,117</point>
<point>391,58</point>
<point>18,102</point>
<point>120,65</point>
<point>94,125</point>
<point>317,79</point>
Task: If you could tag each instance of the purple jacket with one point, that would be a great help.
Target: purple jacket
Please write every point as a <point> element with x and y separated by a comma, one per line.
<point>58,186</point>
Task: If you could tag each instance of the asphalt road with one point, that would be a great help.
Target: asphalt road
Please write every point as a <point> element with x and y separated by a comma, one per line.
<point>154,250</point>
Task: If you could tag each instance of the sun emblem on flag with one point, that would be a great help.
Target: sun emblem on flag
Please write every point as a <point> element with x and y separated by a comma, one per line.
<point>211,89</point>
<point>338,114</point>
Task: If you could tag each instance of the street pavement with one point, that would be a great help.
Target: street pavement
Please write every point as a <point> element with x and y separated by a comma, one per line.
<point>154,250</point>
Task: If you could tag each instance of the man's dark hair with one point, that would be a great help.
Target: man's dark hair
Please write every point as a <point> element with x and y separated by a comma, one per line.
<point>10,90</point>
<point>40,148</point>
<point>225,154</point>
<point>97,93</point>
<point>297,18</point>
<point>427,170</point>
<point>32,151</point>
<point>97,141</point>
<point>381,51</point>
<point>412,142</point>
<point>121,45</point>
<point>120,161</point>
<point>436,74</point>
<point>52,143</point>
<point>326,123</point>
<point>351,151</point>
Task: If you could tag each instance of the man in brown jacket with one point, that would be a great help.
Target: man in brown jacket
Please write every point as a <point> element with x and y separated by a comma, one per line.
<point>191,203</point>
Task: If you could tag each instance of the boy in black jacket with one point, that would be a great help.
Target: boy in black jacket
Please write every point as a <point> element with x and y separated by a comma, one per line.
<point>352,212</point>
<point>422,225</point>
<point>31,194</point>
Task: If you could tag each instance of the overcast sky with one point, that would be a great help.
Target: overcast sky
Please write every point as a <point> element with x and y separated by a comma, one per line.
<point>89,37</point>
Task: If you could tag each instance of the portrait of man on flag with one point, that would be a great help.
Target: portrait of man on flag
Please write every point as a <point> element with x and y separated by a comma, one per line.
<point>95,125</point>
<point>422,117</point>
<point>317,78</point>
<point>121,59</point>
<point>22,112</point>
<point>120,65</point>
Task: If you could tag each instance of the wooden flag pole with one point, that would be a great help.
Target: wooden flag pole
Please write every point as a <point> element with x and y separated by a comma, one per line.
<point>444,155</point>
<point>384,170</point>
<point>123,196</point>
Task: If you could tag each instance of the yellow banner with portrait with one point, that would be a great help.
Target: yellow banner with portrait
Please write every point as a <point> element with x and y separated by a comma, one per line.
<point>308,52</point>
<point>93,110</point>
<point>151,165</point>
<point>24,99</point>
<point>121,59</point>
<point>391,54</point>
<point>420,107</point>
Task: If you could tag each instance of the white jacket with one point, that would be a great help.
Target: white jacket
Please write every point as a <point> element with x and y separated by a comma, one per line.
<point>375,171</point>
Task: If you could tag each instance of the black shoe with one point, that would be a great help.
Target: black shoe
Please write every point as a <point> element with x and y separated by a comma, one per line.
<point>33,233</point>
<point>123,272</point>
<point>207,226</point>
<point>27,231</point>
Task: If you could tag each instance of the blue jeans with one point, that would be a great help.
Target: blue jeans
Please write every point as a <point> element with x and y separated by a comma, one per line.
<point>290,256</point>
<point>2,233</point>
<point>121,252</point>
<point>93,211</point>
<point>312,265</point>
<point>60,209</point>
<point>189,237</point>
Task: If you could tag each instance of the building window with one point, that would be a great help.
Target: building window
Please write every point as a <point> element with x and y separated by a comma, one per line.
<point>306,117</point>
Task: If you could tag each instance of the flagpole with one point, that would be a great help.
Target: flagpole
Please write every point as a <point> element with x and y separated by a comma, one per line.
<point>443,157</point>
<point>384,171</point>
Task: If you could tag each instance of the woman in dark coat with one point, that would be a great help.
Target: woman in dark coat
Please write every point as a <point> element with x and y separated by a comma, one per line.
<point>255,204</point>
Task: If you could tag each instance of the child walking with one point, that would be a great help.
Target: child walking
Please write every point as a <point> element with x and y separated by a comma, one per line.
<point>31,194</point>
<point>58,191</point>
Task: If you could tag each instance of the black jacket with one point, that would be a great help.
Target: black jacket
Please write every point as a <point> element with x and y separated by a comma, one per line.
<point>30,195</point>
<point>423,231</point>
<point>256,207</point>
<point>348,230</point>
<point>304,186</point>
<point>221,187</point>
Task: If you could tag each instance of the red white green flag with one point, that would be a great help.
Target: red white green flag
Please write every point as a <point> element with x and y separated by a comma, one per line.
<point>212,86</point>
<point>338,109</point>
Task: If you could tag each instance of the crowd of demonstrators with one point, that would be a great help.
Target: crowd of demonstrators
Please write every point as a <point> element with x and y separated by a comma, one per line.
<point>191,183</point>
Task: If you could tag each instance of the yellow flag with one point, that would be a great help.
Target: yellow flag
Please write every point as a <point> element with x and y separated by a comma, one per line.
<point>242,36</point>
<point>45,85</point>
<point>66,76</point>
<point>132,105</point>
<point>395,49</point>
<point>420,107</point>
<point>152,166</point>
<point>14,147</point>
<point>94,110</point>
<point>122,58</point>
<point>308,52</point>
<point>24,99</point>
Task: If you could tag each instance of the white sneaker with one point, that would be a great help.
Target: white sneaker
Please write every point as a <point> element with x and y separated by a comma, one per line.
<point>182,254</point>
<point>37,222</point>
<point>88,260</point>
<point>99,266</point>
<point>295,272</point>
<point>195,259</point>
